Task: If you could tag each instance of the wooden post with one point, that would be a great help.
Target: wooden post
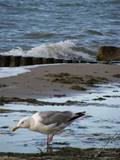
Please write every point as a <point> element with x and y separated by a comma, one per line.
<point>59,61</point>
<point>28,61</point>
<point>2,61</point>
<point>7,61</point>
<point>44,60</point>
<point>25,61</point>
<point>17,60</point>
<point>14,61</point>
<point>50,60</point>
<point>69,61</point>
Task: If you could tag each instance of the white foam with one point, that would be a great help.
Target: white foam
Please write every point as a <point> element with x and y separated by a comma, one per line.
<point>60,50</point>
<point>12,71</point>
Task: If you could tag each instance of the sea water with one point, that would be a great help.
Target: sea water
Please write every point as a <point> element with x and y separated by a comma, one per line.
<point>100,126</point>
<point>58,28</point>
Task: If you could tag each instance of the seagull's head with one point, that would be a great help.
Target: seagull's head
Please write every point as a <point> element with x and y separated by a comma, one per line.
<point>23,123</point>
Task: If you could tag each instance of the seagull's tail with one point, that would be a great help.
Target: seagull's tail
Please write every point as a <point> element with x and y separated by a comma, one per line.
<point>77,115</point>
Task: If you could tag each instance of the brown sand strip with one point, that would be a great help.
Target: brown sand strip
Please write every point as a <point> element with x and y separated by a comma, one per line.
<point>46,80</point>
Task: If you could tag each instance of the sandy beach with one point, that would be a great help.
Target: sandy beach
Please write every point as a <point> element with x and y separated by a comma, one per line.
<point>58,80</point>
<point>60,56</point>
<point>20,95</point>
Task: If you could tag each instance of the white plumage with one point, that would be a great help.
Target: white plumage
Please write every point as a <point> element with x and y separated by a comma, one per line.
<point>49,122</point>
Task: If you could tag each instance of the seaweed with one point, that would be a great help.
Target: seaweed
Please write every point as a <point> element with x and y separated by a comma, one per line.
<point>66,153</point>
<point>79,88</point>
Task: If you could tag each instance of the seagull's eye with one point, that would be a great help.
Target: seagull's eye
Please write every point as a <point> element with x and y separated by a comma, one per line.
<point>22,122</point>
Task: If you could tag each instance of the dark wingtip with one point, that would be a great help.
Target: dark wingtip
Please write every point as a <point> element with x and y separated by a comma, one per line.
<point>77,115</point>
<point>80,114</point>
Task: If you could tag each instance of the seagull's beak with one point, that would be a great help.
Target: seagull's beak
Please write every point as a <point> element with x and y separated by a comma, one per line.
<point>15,128</point>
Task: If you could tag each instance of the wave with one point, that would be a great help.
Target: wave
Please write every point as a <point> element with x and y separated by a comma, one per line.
<point>59,50</point>
<point>39,35</point>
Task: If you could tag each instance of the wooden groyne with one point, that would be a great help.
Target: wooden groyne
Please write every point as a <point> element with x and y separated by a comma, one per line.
<point>15,61</point>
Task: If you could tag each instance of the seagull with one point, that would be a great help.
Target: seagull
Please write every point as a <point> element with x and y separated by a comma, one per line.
<point>48,122</point>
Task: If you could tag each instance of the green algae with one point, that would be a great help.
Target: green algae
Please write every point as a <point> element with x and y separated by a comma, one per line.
<point>74,80</point>
<point>6,100</point>
<point>99,99</point>
<point>116,75</point>
<point>79,88</point>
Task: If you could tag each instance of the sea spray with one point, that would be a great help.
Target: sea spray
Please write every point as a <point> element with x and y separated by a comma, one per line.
<point>59,50</point>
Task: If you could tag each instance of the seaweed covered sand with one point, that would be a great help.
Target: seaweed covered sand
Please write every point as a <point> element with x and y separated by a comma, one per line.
<point>57,80</point>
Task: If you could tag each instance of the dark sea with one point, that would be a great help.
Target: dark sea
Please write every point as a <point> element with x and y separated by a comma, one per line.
<point>58,28</point>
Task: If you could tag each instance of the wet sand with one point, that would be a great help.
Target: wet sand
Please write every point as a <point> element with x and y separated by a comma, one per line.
<point>67,153</point>
<point>59,81</point>
<point>43,80</point>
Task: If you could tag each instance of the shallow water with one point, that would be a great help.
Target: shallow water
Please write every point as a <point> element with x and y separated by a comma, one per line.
<point>14,71</point>
<point>58,28</point>
<point>101,123</point>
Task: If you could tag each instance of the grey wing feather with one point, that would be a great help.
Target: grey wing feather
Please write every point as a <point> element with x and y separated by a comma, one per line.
<point>52,117</point>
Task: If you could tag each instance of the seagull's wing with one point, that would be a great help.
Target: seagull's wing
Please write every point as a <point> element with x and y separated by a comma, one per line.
<point>56,117</point>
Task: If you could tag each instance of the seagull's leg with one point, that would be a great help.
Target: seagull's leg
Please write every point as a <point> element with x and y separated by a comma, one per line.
<point>49,146</point>
<point>49,138</point>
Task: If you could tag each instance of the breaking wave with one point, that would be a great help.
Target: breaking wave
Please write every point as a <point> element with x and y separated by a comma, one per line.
<point>60,50</point>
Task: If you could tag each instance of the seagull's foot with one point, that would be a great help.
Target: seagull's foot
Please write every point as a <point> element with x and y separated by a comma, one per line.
<point>49,149</point>
<point>49,144</point>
